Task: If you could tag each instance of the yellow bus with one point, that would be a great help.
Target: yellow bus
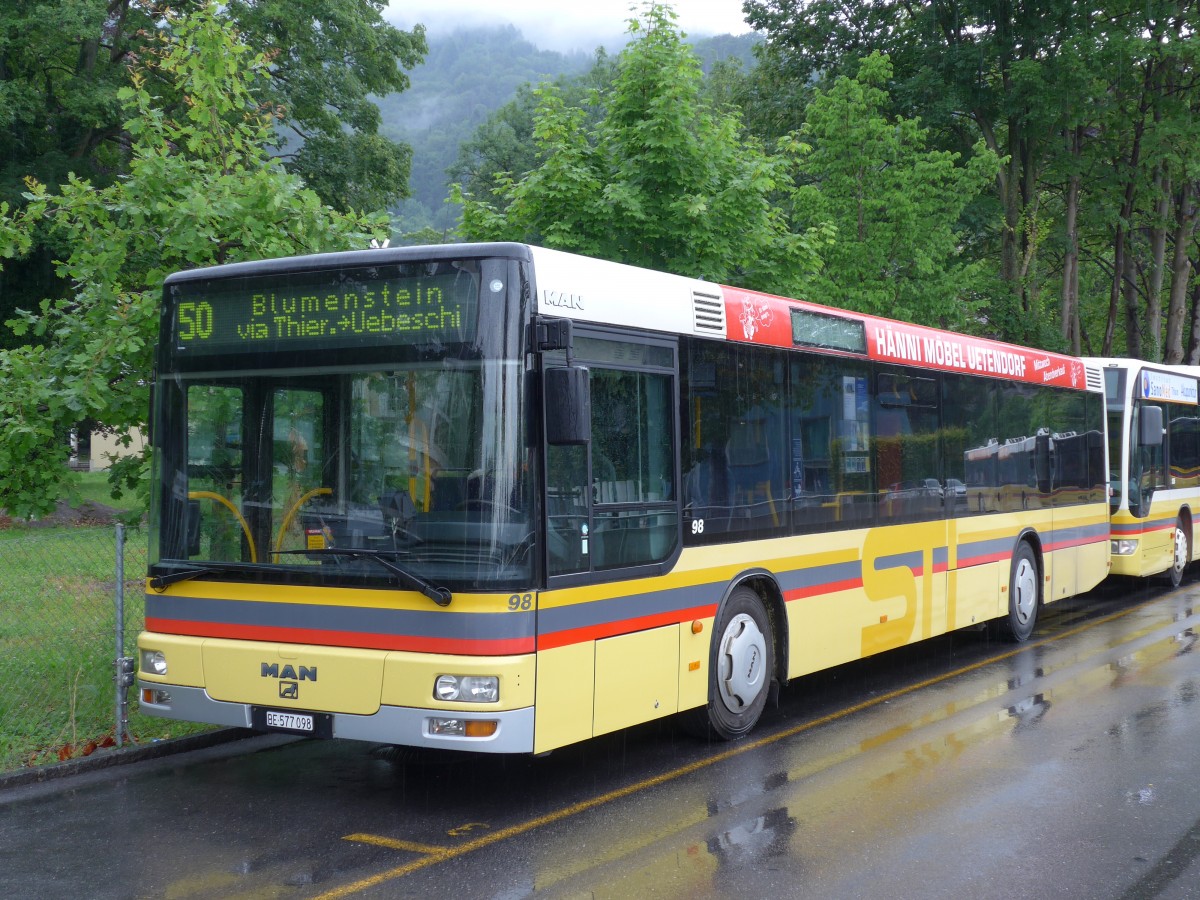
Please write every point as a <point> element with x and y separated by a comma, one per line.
<point>502,498</point>
<point>1154,452</point>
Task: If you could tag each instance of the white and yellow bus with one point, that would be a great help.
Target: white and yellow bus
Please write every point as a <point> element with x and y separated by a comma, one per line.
<point>502,498</point>
<point>1154,454</point>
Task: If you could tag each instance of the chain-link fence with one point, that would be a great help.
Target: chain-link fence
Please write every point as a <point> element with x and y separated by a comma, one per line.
<point>59,631</point>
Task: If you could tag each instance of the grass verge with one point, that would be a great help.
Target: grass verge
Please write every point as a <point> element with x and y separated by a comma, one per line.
<point>58,642</point>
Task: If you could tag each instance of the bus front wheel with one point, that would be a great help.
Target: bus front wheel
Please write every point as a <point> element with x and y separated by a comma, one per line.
<point>741,667</point>
<point>1024,582</point>
<point>1181,555</point>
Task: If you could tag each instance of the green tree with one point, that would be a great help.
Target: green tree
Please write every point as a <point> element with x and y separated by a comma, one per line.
<point>972,70</point>
<point>63,62</point>
<point>1092,107</point>
<point>201,189</point>
<point>896,205</point>
<point>661,180</point>
<point>1141,142</point>
<point>328,57</point>
<point>504,144</point>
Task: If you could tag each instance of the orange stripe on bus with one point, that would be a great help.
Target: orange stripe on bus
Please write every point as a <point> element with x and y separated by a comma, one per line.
<point>816,590</point>
<point>356,640</point>
<point>622,626</point>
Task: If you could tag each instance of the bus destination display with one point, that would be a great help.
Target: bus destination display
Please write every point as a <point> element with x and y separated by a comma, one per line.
<point>278,313</point>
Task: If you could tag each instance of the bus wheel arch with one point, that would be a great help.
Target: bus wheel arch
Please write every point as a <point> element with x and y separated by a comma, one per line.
<point>743,660</point>
<point>771,596</point>
<point>1024,589</point>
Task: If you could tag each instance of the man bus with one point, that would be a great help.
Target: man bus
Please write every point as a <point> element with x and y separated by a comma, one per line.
<point>501,498</point>
<point>1154,454</point>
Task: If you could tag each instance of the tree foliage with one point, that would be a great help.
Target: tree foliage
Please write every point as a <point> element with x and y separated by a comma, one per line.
<point>200,189</point>
<point>328,58</point>
<point>658,179</point>
<point>896,206</point>
<point>504,143</point>
<point>64,62</point>
<point>1090,222</point>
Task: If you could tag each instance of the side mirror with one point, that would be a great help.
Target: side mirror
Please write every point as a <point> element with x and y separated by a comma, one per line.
<point>1150,426</point>
<point>568,398</point>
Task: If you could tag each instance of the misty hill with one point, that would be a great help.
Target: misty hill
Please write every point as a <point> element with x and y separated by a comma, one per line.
<point>466,76</point>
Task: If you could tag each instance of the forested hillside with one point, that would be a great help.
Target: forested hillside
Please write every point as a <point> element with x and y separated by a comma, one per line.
<point>468,75</point>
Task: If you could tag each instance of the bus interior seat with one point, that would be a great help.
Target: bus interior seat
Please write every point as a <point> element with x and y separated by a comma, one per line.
<point>750,470</point>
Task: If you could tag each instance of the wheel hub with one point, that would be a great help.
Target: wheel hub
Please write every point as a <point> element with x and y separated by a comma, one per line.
<point>742,663</point>
<point>1025,587</point>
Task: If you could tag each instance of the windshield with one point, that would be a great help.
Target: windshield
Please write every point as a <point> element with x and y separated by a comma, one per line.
<point>274,472</point>
<point>415,461</point>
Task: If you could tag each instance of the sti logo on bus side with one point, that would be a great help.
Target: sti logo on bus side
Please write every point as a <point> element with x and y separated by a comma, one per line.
<point>288,672</point>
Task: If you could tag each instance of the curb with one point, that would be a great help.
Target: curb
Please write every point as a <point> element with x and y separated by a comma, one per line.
<point>124,756</point>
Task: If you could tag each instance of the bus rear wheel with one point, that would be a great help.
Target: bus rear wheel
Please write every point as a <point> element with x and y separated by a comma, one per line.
<point>1181,554</point>
<point>1024,595</point>
<point>741,666</point>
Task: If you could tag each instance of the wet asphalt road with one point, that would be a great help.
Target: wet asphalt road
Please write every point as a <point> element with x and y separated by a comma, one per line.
<point>964,767</point>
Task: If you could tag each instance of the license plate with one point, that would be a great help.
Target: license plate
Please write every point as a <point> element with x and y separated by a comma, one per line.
<point>291,721</point>
<point>310,724</point>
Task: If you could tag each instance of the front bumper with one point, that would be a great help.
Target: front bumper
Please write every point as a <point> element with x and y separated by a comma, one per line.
<point>407,726</point>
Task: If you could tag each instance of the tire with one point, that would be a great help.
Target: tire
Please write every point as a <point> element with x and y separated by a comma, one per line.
<point>1024,595</point>
<point>1181,555</point>
<point>741,667</point>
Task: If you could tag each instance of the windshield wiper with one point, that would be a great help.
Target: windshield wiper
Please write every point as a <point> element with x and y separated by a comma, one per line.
<point>159,582</point>
<point>439,595</point>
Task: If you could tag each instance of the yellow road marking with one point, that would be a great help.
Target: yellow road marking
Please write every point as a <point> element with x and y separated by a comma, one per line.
<point>470,826</point>
<point>438,854</point>
<point>394,844</point>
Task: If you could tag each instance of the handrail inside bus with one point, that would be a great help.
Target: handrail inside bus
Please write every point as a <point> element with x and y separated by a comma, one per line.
<point>287,520</point>
<point>209,495</point>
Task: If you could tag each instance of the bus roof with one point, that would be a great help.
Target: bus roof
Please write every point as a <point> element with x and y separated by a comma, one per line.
<point>603,292</point>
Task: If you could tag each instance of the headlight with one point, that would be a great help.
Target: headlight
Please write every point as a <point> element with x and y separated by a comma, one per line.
<point>467,688</point>
<point>1124,548</point>
<point>154,662</point>
<point>471,728</point>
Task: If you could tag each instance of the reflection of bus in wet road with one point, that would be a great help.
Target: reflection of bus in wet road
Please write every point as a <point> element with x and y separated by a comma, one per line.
<point>500,498</point>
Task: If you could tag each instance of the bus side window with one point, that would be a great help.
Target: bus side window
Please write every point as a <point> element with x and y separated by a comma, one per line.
<point>831,474</point>
<point>907,448</point>
<point>969,444</point>
<point>1184,448</point>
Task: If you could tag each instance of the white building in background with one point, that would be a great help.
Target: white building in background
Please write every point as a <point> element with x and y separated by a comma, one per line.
<point>102,447</point>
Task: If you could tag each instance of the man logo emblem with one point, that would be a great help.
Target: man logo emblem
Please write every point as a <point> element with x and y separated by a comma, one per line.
<point>289,690</point>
